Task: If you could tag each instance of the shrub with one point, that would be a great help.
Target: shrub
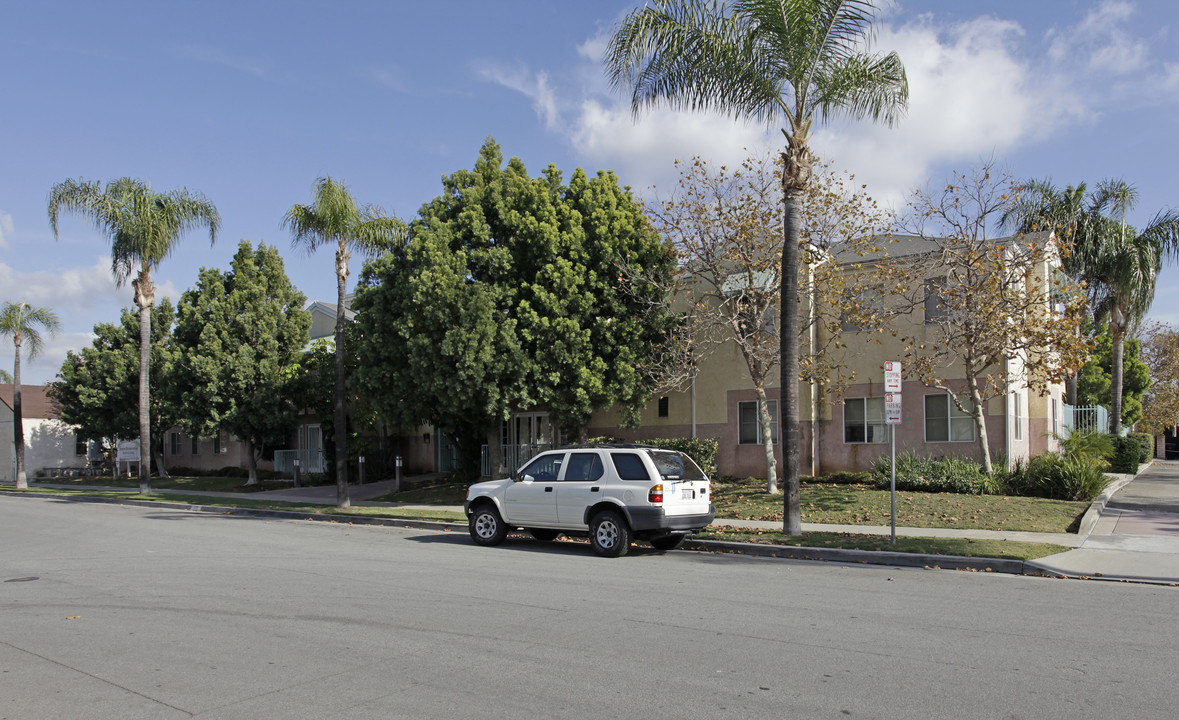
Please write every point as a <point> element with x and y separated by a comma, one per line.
<point>1058,477</point>
<point>923,474</point>
<point>1146,441</point>
<point>1094,445</point>
<point>846,478</point>
<point>1125,455</point>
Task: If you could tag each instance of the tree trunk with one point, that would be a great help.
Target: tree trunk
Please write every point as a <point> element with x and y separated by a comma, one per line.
<point>495,452</point>
<point>253,463</point>
<point>767,441</point>
<point>980,424</point>
<point>341,412</point>
<point>788,402</point>
<point>1117,333</point>
<point>144,297</point>
<point>158,454</point>
<point>18,424</point>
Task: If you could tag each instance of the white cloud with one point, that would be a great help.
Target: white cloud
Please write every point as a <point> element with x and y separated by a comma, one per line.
<point>6,228</point>
<point>533,86</point>
<point>44,368</point>
<point>217,56</point>
<point>1101,42</point>
<point>79,288</point>
<point>392,79</point>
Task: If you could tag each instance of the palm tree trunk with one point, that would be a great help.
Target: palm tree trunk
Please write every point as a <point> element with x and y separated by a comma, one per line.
<point>18,425</point>
<point>341,411</point>
<point>788,427</point>
<point>767,441</point>
<point>144,295</point>
<point>1118,334</point>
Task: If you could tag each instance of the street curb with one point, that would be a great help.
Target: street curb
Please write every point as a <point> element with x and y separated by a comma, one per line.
<point>1097,507</point>
<point>789,552</point>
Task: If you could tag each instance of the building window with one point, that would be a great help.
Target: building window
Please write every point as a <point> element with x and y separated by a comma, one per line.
<point>174,443</point>
<point>935,312</point>
<point>663,406</point>
<point>196,446</point>
<point>81,447</point>
<point>1017,405</point>
<point>863,420</point>
<point>944,422</point>
<point>219,444</point>
<point>749,425</point>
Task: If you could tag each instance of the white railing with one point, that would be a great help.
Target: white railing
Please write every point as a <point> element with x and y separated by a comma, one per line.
<point>310,461</point>
<point>1085,419</point>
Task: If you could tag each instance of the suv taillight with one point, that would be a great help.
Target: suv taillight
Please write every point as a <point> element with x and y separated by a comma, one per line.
<point>655,495</point>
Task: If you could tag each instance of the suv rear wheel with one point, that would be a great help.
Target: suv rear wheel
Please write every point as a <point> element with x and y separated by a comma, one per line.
<point>609,534</point>
<point>487,527</point>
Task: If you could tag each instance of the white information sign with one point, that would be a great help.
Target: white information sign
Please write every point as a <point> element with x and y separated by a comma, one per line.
<point>892,408</point>
<point>892,377</point>
<point>128,451</point>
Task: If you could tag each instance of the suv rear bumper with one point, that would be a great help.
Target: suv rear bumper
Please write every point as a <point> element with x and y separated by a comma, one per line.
<point>643,519</point>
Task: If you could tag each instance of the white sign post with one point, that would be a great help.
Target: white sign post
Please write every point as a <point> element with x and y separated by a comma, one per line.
<point>128,452</point>
<point>892,416</point>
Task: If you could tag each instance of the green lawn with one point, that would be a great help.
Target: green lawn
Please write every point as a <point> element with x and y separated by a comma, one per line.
<point>1007,549</point>
<point>863,505</point>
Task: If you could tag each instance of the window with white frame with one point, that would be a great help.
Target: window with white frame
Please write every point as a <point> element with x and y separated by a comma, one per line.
<point>935,312</point>
<point>219,446</point>
<point>196,446</point>
<point>944,422</point>
<point>174,443</point>
<point>749,424</point>
<point>863,420</point>
<point>1017,410</point>
<point>81,447</point>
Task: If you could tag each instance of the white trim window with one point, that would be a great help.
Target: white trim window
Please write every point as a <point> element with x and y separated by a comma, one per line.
<point>173,443</point>
<point>935,311</point>
<point>944,422</point>
<point>863,421</point>
<point>1017,406</point>
<point>749,424</point>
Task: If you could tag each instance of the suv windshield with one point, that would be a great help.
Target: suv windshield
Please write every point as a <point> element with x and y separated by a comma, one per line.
<point>676,466</point>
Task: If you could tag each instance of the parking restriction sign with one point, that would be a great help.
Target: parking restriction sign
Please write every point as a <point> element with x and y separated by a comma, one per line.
<point>892,408</point>
<point>892,377</point>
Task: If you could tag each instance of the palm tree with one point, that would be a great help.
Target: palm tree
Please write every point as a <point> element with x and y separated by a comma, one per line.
<point>21,320</point>
<point>143,228</point>
<point>796,60</point>
<point>335,217</point>
<point>1118,264</point>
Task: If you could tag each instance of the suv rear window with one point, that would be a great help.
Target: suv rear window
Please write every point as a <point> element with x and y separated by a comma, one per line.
<point>676,466</point>
<point>629,466</point>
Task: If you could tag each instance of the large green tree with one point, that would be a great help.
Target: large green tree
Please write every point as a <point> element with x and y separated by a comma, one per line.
<point>143,227</point>
<point>241,336</point>
<point>795,61</point>
<point>98,386</point>
<point>1094,381</point>
<point>514,292</point>
<point>23,323</point>
<point>335,218</point>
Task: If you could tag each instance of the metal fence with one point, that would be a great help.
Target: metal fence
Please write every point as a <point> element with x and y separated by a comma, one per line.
<point>514,456</point>
<point>310,461</point>
<point>1085,419</point>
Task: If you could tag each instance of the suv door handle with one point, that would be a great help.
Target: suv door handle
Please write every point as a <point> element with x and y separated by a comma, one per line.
<point>594,488</point>
<point>548,489</point>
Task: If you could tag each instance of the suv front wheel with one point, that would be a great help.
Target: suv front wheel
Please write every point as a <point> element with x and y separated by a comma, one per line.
<point>487,527</point>
<point>609,534</point>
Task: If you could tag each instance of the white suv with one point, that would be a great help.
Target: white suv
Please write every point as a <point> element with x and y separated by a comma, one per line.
<point>615,493</point>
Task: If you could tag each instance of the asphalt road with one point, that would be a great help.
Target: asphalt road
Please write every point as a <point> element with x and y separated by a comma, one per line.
<point>151,613</point>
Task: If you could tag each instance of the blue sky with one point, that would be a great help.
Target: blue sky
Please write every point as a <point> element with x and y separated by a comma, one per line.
<point>249,102</point>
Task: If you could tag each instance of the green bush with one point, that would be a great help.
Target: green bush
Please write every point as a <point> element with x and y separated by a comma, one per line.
<point>1058,477</point>
<point>923,474</point>
<point>1146,441</point>
<point>846,478</point>
<point>1125,455</point>
<point>1093,445</point>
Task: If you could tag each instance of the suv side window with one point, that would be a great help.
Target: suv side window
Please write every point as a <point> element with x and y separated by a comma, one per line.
<point>629,466</point>
<point>546,468</point>
<point>583,467</point>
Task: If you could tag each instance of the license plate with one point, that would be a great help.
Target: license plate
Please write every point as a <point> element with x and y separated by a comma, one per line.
<point>687,494</point>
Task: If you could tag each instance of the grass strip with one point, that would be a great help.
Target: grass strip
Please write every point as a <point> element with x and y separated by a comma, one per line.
<point>966,547</point>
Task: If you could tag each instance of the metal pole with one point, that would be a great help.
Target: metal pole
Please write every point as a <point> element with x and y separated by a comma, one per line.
<point>397,475</point>
<point>892,483</point>
<point>361,459</point>
<point>296,472</point>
